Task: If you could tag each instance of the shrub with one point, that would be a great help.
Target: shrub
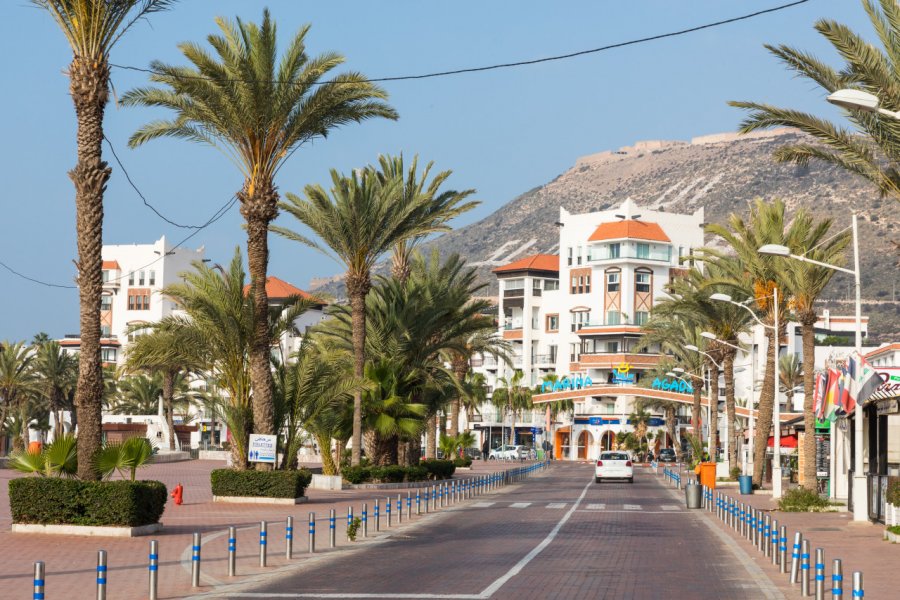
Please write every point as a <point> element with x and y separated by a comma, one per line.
<point>266,484</point>
<point>385,474</point>
<point>893,493</point>
<point>53,501</point>
<point>356,474</point>
<point>462,461</point>
<point>416,473</point>
<point>439,469</point>
<point>735,473</point>
<point>389,473</point>
<point>802,500</point>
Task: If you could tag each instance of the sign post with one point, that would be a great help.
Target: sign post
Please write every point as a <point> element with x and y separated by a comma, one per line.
<point>263,448</point>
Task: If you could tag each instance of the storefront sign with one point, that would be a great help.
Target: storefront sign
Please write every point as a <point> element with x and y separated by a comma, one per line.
<point>888,407</point>
<point>263,448</point>
<point>602,421</point>
<point>672,385</point>
<point>621,375</point>
<point>567,383</point>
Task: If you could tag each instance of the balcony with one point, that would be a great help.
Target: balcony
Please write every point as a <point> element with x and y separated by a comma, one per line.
<point>612,359</point>
<point>604,255</point>
<point>516,293</point>
<point>627,326</point>
<point>543,359</point>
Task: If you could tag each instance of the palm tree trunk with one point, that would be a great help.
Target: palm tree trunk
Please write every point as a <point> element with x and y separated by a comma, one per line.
<point>808,450</point>
<point>89,87</point>
<point>357,288</point>
<point>328,465</point>
<point>729,409</point>
<point>696,414</point>
<point>766,406</point>
<point>430,438</point>
<point>460,369</point>
<point>168,391</point>
<point>670,429</point>
<point>259,206</point>
<point>713,412</point>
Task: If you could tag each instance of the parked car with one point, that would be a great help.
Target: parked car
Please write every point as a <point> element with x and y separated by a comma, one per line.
<point>507,452</point>
<point>614,465</point>
<point>666,455</point>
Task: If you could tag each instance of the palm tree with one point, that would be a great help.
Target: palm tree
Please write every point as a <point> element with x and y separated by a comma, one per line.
<point>17,380</point>
<point>361,219</point>
<point>875,154</point>
<point>258,111</point>
<point>138,395</point>
<point>57,373</point>
<point>511,397</point>
<point>640,420</point>
<point>92,28</point>
<point>791,375</point>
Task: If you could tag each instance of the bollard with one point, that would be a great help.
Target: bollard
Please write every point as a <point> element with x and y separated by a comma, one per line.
<point>312,530</point>
<point>399,509</point>
<point>427,499</point>
<point>795,558</point>
<point>289,538</point>
<point>349,518</point>
<point>458,486</point>
<point>837,579</point>
<point>332,529</point>
<point>153,569</point>
<point>820,574</point>
<point>774,556</point>
<point>232,552</point>
<point>263,542</point>
<point>742,520</point>
<point>433,499</point>
<point>767,537</point>
<point>782,550</point>
<point>195,561</point>
<point>858,585</point>
<point>408,505</point>
<point>761,541</point>
<point>440,495</point>
<point>804,569</point>
<point>377,516</point>
<point>365,520</point>
<point>387,510</point>
<point>101,575</point>
<point>418,502</point>
<point>38,593</point>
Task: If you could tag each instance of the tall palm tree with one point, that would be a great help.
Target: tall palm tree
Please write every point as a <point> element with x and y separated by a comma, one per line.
<point>258,111</point>
<point>138,395</point>
<point>359,220</point>
<point>57,373</point>
<point>92,28</point>
<point>791,374</point>
<point>511,397</point>
<point>876,153</point>
<point>17,379</point>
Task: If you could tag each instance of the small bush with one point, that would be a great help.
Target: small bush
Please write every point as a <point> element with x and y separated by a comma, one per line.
<point>893,493</point>
<point>735,473</point>
<point>802,500</point>
<point>389,473</point>
<point>462,461</point>
<point>353,528</point>
<point>265,484</point>
<point>385,474</point>
<point>416,473</point>
<point>439,469</point>
<point>52,501</point>
<point>356,474</point>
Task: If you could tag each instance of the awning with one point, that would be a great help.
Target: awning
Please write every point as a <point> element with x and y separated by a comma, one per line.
<point>787,441</point>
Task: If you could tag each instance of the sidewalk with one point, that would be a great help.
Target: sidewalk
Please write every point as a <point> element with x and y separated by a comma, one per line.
<point>71,560</point>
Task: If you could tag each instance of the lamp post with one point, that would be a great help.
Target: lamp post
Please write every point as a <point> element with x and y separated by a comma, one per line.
<point>776,409</point>
<point>708,403</point>
<point>860,487</point>
<point>709,400</point>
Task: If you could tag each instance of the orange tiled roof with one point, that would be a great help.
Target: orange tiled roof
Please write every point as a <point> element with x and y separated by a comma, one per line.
<point>884,350</point>
<point>112,265</point>
<point>535,262</point>
<point>278,289</point>
<point>629,229</point>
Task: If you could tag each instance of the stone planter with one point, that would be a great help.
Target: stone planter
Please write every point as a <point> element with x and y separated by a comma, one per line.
<point>259,500</point>
<point>215,455</point>
<point>326,482</point>
<point>169,457</point>
<point>86,530</point>
<point>891,537</point>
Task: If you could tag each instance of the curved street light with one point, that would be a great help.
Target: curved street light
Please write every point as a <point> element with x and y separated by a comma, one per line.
<point>860,100</point>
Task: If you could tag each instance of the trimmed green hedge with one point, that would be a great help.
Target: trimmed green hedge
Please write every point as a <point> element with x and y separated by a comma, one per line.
<point>462,461</point>
<point>428,469</point>
<point>264,484</point>
<point>439,469</point>
<point>56,501</point>
<point>893,493</point>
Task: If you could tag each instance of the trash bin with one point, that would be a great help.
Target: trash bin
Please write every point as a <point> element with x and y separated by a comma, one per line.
<point>708,475</point>
<point>746,482</point>
<point>692,495</point>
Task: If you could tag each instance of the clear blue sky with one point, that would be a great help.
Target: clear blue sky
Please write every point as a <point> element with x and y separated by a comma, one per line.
<point>501,132</point>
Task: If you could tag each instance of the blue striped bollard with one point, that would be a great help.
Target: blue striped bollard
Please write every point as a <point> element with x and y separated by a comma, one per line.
<point>782,549</point>
<point>365,520</point>
<point>312,532</point>
<point>441,487</point>
<point>387,510</point>
<point>795,558</point>
<point>195,561</point>
<point>433,498</point>
<point>804,569</point>
<point>762,541</point>
<point>408,505</point>
<point>427,499</point>
<point>153,569</point>
<point>101,575</point>
<point>774,554</point>
<point>289,538</point>
<point>263,542</point>
<point>858,585</point>
<point>742,521</point>
<point>349,519</point>
<point>377,516</point>
<point>332,529</point>
<point>837,580</point>
<point>399,509</point>
<point>232,552</point>
<point>418,502</point>
<point>820,574</point>
<point>38,593</point>
<point>767,537</point>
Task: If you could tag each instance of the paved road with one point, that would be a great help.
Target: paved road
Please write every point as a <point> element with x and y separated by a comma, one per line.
<point>559,535</point>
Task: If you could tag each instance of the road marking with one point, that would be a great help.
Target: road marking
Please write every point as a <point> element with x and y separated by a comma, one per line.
<point>347,595</point>
<point>520,505</point>
<point>596,506</point>
<point>670,507</point>
<point>632,507</point>
<point>483,504</point>
<point>556,505</point>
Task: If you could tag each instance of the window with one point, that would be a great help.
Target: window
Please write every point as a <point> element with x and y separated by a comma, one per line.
<point>612,347</point>
<point>514,284</point>
<point>580,319</point>
<point>613,317</point>
<point>552,351</point>
<point>642,282</point>
<point>574,284</point>
<point>535,318</point>
<point>641,317</point>
<point>105,276</point>
<point>105,302</point>
<point>587,284</point>
<point>614,250</point>
<point>108,355</point>
<point>138,300</point>
<point>643,250</point>
<point>552,323</point>
<point>152,278</point>
<point>551,284</point>
<point>141,278</point>
<point>612,282</point>
<point>573,352</point>
<point>105,331</point>
<point>579,255</point>
<point>131,278</point>
<point>570,256</point>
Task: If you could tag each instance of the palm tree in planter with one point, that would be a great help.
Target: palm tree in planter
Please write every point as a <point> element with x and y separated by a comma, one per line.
<point>258,111</point>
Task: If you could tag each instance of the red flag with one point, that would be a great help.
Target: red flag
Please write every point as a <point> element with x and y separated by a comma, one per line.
<point>819,390</point>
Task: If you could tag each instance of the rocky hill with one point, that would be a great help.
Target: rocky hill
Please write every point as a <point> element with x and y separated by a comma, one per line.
<point>722,173</point>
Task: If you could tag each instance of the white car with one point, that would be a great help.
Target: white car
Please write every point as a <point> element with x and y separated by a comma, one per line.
<point>614,465</point>
<point>507,452</point>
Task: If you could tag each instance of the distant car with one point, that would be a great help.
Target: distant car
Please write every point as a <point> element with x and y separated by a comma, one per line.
<point>666,455</point>
<point>507,452</point>
<point>614,465</point>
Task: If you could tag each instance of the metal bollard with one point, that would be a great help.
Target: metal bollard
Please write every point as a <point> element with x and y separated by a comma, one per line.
<point>418,502</point>
<point>408,506</point>
<point>782,550</point>
<point>775,540</point>
<point>837,579</point>
<point>433,498</point>
<point>427,499</point>
<point>312,531</point>
<point>377,516</point>
<point>795,558</point>
<point>195,561</point>
<point>263,542</point>
<point>399,509</point>
<point>858,585</point>
<point>441,495</point>
<point>742,523</point>
<point>820,574</point>
<point>349,518</point>
<point>289,538</point>
<point>387,510</point>
<point>101,575</point>
<point>761,541</point>
<point>232,552</point>
<point>38,593</point>
<point>332,529</point>
<point>804,569</point>
<point>365,520</point>
<point>767,537</point>
<point>153,569</point>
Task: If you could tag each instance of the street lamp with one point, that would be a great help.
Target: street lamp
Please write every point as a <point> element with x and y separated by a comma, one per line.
<point>860,488</point>
<point>860,100</point>
<point>776,409</point>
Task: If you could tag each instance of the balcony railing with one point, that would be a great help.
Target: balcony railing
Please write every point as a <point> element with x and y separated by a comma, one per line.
<point>543,359</point>
<point>512,326</point>
<point>517,293</point>
<point>626,254</point>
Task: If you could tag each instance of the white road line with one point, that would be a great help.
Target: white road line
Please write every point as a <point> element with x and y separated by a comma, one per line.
<point>483,504</point>
<point>556,505</point>
<point>596,506</point>
<point>670,507</point>
<point>349,595</point>
<point>520,505</point>
<point>494,587</point>
<point>632,507</point>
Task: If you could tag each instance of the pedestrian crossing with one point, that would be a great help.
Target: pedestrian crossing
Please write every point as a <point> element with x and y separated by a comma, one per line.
<point>592,507</point>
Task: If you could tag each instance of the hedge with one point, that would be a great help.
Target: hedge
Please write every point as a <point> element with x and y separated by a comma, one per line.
<point>428,469</point>
<point>57,501</point>
<point>265,484</point>
<point>439,469</point>
<point>893,493</point>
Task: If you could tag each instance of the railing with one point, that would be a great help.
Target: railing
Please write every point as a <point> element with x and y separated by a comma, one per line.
<point>512,326</point>
<point>625,254</point>
<point>517,293</point>
<point>543,359</point>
